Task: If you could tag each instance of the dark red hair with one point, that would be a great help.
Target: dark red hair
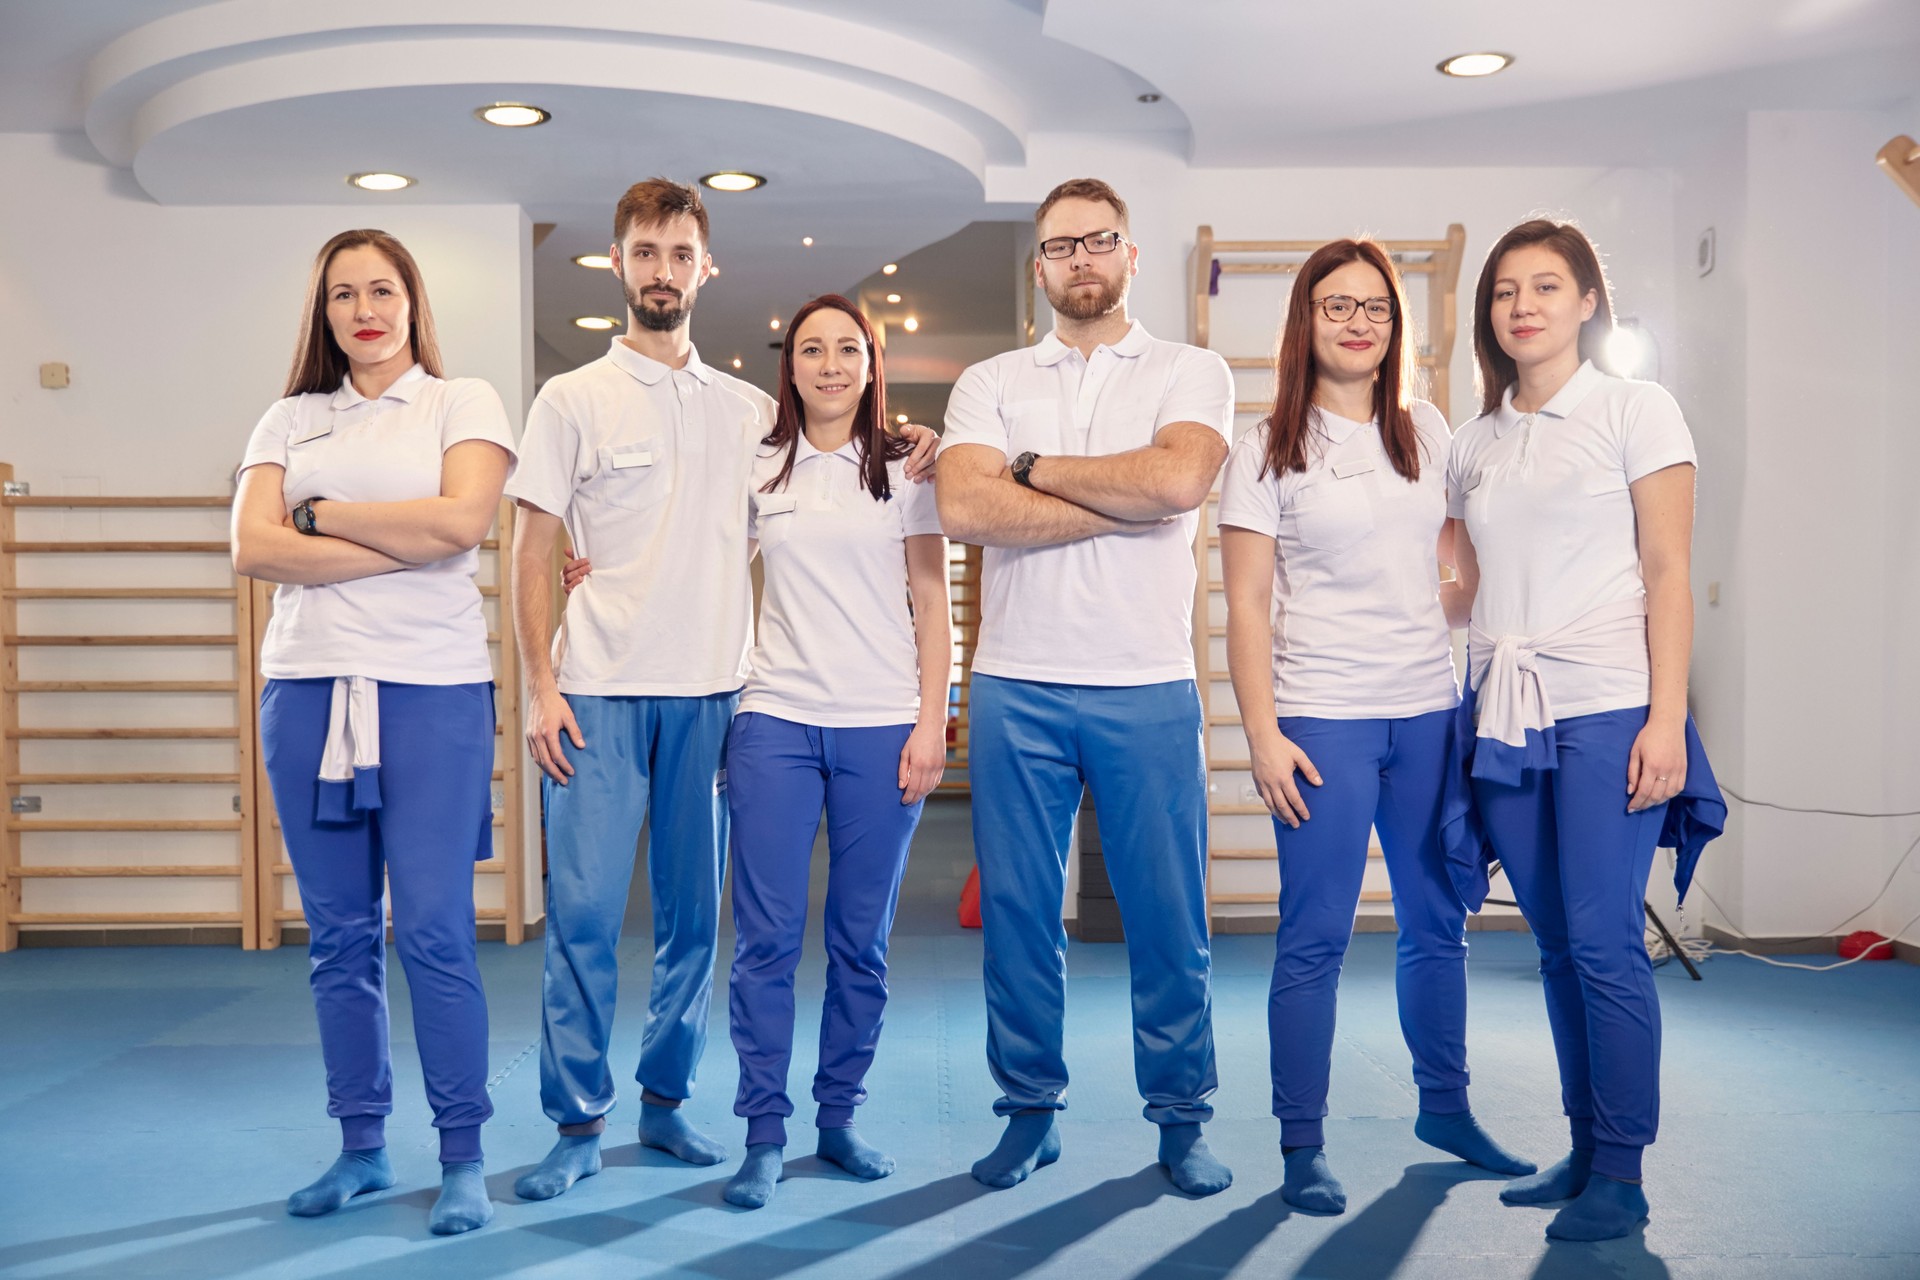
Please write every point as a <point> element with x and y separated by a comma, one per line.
<point>871,442</point>
<point>1297,375</point>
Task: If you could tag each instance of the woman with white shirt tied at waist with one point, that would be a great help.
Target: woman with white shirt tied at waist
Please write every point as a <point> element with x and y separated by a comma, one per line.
<point>365,494</point>
<point>1571,504</point>
<point>1332,528</point>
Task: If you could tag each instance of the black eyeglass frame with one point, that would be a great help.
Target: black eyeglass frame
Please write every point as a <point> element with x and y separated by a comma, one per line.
<point>1080,242</point>
<point>1359,305</point>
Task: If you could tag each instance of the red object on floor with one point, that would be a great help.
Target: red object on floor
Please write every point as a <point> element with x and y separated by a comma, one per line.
<point>970,902</point>
<point>1866,940</point>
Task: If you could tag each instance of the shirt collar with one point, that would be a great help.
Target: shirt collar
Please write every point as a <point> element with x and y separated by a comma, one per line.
<point>1564,401</point>
<point>1334,427</point>
<point>404,389</point>
<point>1050,350</point>
<point>806,450</point>
<point>649,371</point>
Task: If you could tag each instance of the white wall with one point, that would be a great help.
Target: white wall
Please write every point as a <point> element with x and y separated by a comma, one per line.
<point>178,324</point>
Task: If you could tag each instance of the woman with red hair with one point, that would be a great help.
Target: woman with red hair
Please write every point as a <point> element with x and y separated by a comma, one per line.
<point>1332,530</point>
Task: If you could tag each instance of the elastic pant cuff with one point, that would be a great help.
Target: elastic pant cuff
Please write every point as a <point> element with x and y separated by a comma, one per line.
<point>1302,1133</point>
<point>1582,1130</point>
<point>767,1128</point>
<point>462,1144</point>
<point>1617,1160</point>
<point>363,1133</point>
<point>652,1099</point>
<point>1443,1102</point>
<point>833,1118</point>
<point>591,1129</point>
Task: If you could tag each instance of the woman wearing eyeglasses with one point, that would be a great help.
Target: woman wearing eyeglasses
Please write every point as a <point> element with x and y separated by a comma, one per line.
<point>1332,530</point>
<point>1571,498</point>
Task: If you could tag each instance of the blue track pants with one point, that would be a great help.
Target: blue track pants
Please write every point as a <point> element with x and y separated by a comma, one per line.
<point>1034,747</point>
<point>780,777</point>
<point>1578,863</point>
<point>436,754</point>
<point>658,757</point>
<point>1385,774</point>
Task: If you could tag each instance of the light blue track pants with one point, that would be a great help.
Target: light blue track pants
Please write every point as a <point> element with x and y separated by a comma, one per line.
<point>1138,749</point>
<point>658,756</point>
<point>1384,774</point>
<point>780,777</point>
<point>1578,863</point>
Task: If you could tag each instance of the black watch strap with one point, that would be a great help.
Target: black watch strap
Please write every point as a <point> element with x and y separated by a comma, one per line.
<point>1023,467</point>
<point>303,518</point>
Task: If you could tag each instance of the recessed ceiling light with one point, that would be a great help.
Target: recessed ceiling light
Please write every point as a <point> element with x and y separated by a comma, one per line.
<point>713,271</point>
<point>379,181</point>
<point>594,261</point>
<point>1469,65</point>
<point>893,297</point>
<point>900,418</point>
<point>596,322</point>
<point>512,115</point>
<point>911,324</point>
<point>729,180</point>
<point>807,241</point>
<point>889,269</point>
<point>774,323</point>
<point>736,362</point>
<point>1148,98</point>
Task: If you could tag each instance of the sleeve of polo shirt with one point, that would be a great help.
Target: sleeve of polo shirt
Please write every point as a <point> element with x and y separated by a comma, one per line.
<point>549,468</point>
<point>921,514</point>
<point>268,443</point>
<point>1201,391</point>
<point>973,411</point>
<point>1457,470</point>
<point>474,412</point>
<point>1246,500</point>
<point>1655,434</point>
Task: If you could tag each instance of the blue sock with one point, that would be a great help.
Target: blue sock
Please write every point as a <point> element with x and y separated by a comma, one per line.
<point>1563,1181</point>
<point>1031,1141</point>
<point>1310,1184</point>
<point>574,1157</point>
<point>1460,1134</point>
<point>665,1129</point>
<point>760,1172</point>
<point>846,1148</point>
<point>1187,1160</point>
<point>1606,1210</point>
<point>463,1203</point>
<point>354,1174</point>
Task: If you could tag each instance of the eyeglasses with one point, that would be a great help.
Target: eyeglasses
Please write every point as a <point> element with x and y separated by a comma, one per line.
<point>1096,242</point>
<point>1339,308</point>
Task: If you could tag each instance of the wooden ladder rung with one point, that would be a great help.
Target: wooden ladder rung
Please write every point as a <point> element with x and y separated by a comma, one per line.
<point>123,686</point>
<point>1238,810</point>
<point>125,824</point>
<point>124,642</point>
<point>74,873</point>
<point>124,917</point>
<point>160,734</point>
<point>112,779</point>
<point>56,548</point>
<point>76,501</point>
<point>117,593</point>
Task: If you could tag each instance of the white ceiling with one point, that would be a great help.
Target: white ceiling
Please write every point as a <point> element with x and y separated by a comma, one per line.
<point>877,119</point>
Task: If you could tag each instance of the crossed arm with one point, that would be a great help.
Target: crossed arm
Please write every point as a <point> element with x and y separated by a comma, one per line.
<point>366,539</point>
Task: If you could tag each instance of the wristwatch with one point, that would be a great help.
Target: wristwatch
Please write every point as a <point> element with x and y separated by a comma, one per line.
<point>303,518</point>
<point>1023,467</point>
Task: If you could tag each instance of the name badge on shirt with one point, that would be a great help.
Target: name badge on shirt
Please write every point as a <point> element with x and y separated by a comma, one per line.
<point>1353,467</point>
<point>637,458</point>
<point>314,432</point>
<point>773,504</point>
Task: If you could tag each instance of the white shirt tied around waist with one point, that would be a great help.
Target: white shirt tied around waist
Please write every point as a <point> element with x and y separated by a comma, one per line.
<point>836,646</point>
<point>649,468</point>
<point>1358,628</point>
<point>1510,697</point>
<point>1548,502</point>
<point>1117,608</point>
<point>418,625</point>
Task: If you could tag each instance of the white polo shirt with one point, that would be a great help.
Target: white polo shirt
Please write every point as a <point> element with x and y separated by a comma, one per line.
<point>1117,608</point>
<point>648,466</point>
<point>836,645</point>
<point>1358,628</point>
<point>1546,502</point>
<point>421,625</point>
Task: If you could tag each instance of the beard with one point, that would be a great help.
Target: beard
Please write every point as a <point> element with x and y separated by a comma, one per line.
<point>651,314</point>
<point>1088,304</point>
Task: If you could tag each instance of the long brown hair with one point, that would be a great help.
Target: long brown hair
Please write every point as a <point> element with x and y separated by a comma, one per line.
<point>871,443</point>
<point>318,362</point>
<point>1297,375</point>
<point>1495,370</point>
